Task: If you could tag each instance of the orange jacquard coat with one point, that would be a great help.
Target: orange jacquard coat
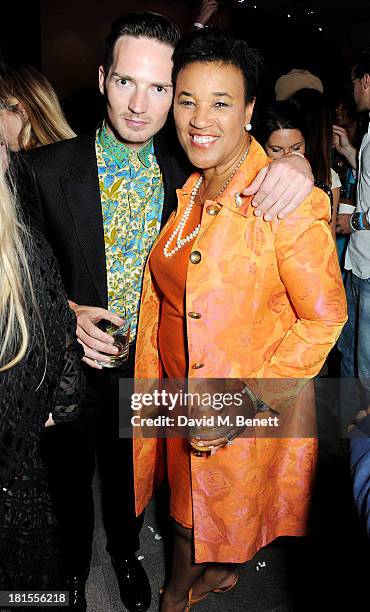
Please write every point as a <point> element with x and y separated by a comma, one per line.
<point>272,305</point>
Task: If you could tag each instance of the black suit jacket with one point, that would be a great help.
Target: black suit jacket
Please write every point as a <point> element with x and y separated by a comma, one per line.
<point>59,190</point>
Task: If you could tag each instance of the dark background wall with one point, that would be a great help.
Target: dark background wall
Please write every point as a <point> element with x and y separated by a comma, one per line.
<point>64,38</point>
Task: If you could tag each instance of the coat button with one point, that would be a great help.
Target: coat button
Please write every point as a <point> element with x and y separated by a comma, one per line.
<point>212,210</point>
<point>194,315</point>
<point>195,257</point>
<point>197,366</point>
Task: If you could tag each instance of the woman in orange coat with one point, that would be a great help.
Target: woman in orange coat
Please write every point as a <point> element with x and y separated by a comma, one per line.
<point>228,296</point>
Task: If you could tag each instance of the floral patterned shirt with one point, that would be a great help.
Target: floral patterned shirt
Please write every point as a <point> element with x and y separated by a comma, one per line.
<point>131,194</point>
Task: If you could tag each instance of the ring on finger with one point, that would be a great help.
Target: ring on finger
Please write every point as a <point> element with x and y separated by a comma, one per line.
<point>229,438</point>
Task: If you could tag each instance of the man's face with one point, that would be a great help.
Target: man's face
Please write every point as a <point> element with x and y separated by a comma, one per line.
<point>361,91</point>
<point>138,89</point>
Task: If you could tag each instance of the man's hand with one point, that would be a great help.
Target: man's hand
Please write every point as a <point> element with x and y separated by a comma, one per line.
<point>343,225</point>
<point>281,187</point>
<point>343,146</point>
<point>97,344</point>
<point>360,416</point>
<point>208,8</point>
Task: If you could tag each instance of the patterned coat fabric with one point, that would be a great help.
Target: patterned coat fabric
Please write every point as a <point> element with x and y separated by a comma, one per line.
<point>272,305</point>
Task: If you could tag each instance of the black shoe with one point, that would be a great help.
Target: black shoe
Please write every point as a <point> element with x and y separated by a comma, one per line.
<point>133,583</point>
<point>76,587</point>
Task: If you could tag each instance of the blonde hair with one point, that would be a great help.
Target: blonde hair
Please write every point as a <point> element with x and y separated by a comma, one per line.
<point>27,92</point>
<point>15,281</point>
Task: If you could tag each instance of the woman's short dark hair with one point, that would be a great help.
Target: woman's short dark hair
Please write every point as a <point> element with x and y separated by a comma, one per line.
<point>281,115</point>
<point>140,25</point>
<point>215,45</point>
<point>362,65</point>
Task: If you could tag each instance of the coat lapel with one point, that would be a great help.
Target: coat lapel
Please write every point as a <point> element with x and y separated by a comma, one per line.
<point>81,189</point>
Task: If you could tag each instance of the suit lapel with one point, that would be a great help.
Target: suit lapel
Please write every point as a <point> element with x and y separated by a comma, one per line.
<point>81,189</point>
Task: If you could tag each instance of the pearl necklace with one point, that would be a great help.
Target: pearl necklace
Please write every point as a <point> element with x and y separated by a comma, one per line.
<point>178,231</point>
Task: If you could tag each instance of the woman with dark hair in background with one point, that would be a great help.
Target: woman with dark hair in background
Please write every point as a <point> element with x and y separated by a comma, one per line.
<point>316,113</point>
<point>228,296</point>
<point>284,129</point>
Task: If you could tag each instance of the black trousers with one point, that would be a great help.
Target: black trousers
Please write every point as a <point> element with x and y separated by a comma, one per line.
<point>69,453</point>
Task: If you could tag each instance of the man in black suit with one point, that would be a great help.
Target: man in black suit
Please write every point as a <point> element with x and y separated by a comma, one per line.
<point>130,166</point>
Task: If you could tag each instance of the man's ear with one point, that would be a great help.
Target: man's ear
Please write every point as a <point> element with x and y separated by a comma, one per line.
<point>101,80</point>
<point>366,80</point>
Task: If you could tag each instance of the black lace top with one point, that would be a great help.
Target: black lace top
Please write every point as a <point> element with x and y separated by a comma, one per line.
<point>48,379</point>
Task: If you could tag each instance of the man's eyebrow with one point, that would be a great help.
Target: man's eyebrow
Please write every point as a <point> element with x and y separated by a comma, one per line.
<point>122,76</point>
<point>130,78</point>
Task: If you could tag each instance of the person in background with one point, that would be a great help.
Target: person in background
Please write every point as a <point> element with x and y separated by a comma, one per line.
<point>283,130</point>
<point>39,372</point>
<point>101,200</point>
<point>214,263</point>
<point>347,121</point>
<point>316,112</point>
<point>207,9</point>
<point>30,112</point>
<point>354,342</point>
<point>288,84</point>
<point>307,92</point>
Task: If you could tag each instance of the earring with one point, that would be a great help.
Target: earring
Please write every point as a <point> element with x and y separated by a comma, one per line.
<point>248,127</point>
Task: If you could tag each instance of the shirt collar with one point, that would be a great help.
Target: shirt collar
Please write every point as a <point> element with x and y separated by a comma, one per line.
<point>121,153</point>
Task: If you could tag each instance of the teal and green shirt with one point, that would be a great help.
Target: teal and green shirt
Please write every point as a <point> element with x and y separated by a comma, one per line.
<point>131,194</point>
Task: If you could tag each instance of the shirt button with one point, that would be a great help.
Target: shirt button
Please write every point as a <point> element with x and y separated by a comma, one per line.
<point>194,315</point>
<point>197,366</point>
<point>212,210</point>
<point>195,257</point>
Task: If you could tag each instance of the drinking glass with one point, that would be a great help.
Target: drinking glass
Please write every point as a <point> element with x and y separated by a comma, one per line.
<point>121,335</point>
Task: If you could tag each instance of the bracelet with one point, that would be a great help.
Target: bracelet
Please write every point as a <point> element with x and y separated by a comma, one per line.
<point>199,25</point>
<point>258,404</point>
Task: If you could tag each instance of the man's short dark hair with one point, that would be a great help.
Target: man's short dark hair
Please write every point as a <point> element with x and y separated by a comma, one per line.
<point>215,45</point>
<point>362,65</point>
<point>140,25</point>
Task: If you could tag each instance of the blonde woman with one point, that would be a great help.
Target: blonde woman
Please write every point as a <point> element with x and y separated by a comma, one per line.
<point>39,371</point>
<point>30,112</point>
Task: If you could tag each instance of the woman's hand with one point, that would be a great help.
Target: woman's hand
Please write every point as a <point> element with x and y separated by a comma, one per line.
<point>216,437</point>
<point>281,187</point>
<point>218,443</point>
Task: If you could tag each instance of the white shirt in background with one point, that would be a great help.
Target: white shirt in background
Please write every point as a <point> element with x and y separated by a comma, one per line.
<point>358,252</point>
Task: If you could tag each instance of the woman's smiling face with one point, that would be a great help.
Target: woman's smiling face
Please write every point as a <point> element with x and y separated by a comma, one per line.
<point>210,113</point>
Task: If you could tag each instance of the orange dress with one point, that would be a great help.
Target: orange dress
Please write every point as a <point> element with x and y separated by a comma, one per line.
<point>170,277</point>
<point>271,304</point>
